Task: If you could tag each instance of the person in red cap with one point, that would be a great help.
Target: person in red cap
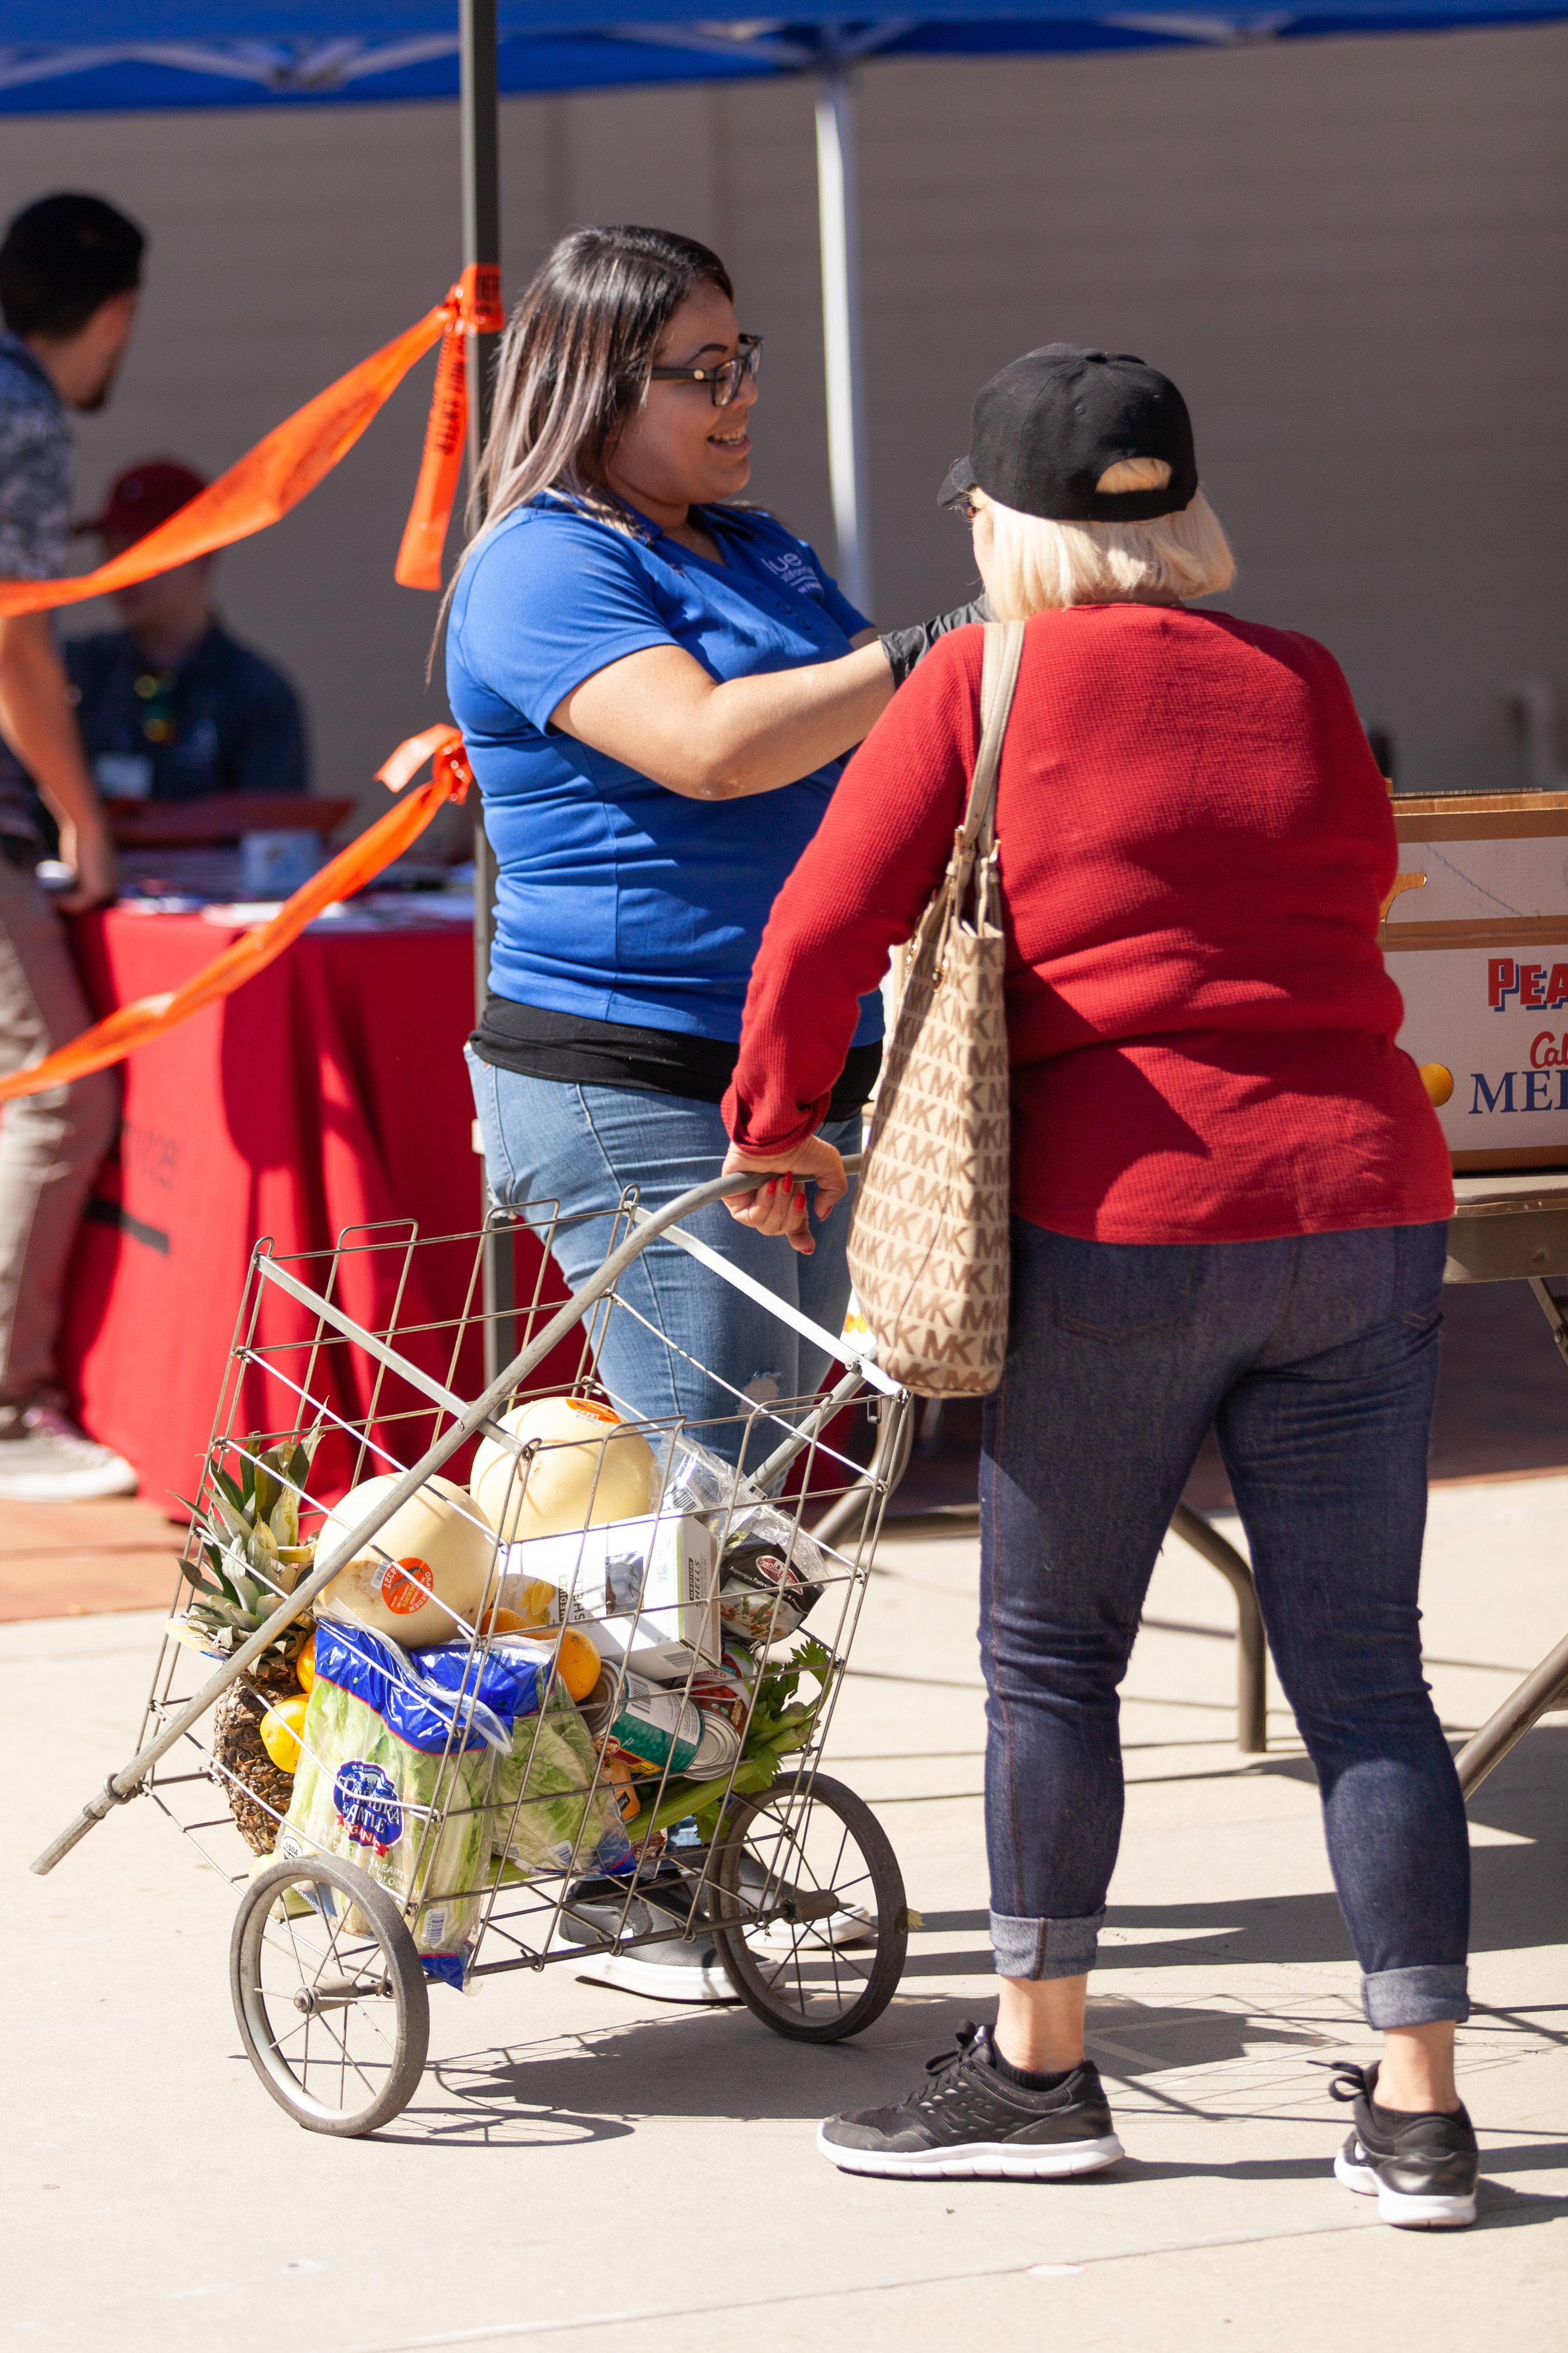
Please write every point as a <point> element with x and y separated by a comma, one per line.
<point>170,706</point>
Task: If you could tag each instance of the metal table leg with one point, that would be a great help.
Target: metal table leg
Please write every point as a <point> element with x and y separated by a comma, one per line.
<point>1549,1683</point>
<point>1555,1311</point>
<point>1251,1650</point>
<point>1521,1710</point>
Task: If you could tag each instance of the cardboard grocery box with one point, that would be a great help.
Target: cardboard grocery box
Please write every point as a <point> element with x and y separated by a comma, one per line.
<point>1475,937</point>
<point>647,1589</point>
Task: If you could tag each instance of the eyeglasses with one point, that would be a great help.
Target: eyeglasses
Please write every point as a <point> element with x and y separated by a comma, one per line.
<point>726,381</point>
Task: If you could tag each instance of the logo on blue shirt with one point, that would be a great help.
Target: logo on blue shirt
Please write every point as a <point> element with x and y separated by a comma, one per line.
<point>794,572</point>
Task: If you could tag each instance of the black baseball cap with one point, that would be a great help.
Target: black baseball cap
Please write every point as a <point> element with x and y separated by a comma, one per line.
<point>1046,428</point>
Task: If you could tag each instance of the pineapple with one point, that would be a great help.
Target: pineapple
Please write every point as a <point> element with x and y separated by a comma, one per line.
<point>257,1784</point>
<point>250,1542</point>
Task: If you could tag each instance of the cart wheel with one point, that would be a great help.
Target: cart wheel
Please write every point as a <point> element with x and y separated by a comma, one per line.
<point>329,1995</point>
<point>807,1864</point>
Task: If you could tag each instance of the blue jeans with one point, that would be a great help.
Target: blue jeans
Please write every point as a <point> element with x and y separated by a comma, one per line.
<point>548,1141</point>
<point>1316,1360</point>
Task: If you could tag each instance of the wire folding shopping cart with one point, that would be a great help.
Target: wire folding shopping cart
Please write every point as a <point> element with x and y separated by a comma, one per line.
<point>530,1835</point>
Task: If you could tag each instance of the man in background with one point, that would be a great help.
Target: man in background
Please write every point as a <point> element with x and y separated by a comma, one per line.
<point>70,266</point>
<point>170,707</point>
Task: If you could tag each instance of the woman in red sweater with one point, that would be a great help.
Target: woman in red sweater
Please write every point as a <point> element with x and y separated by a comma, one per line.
<point>1229,1198</point>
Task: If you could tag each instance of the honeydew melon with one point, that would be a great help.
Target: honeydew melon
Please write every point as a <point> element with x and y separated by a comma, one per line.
<point>590,1467</point>
<point>427,1567</point>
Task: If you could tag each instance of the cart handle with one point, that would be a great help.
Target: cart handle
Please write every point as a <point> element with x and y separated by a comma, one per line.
<point>127,1782</point>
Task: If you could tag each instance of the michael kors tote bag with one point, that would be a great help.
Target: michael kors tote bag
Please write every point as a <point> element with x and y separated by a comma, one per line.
<point>929,1238</point>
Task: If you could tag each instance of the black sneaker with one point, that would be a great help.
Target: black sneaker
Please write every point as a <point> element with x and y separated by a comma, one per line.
<point>1422,2169</point>
<point>968,2124</point>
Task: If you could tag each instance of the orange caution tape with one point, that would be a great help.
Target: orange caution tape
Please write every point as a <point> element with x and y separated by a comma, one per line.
<point>149,1017</point>
<point>419,562</point>
<point>261,488</point>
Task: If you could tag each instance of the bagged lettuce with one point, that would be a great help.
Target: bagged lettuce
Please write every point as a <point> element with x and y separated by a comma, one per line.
<point>550,1766</point>
<point>374,1766</point>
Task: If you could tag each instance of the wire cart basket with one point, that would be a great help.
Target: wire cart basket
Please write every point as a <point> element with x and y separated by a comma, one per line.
<point>575,1731</point>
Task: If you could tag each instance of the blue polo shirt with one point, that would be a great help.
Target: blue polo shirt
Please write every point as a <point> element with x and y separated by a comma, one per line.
<point>618,899</point>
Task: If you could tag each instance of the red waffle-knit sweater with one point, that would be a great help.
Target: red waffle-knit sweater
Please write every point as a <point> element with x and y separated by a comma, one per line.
<point>1195,842</point>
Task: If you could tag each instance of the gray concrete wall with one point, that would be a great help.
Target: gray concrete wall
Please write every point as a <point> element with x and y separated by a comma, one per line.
<point>1349,254</point>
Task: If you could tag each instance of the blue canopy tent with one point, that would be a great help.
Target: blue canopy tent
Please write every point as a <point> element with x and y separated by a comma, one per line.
<point>81,55</point>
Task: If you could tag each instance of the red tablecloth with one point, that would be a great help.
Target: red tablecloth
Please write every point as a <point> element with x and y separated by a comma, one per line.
<point>330,1092</point>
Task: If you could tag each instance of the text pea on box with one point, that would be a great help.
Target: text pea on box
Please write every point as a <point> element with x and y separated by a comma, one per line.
<point>1476,939</point>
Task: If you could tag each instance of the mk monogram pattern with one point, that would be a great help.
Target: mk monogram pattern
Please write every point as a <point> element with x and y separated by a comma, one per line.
<point>928,1240</point>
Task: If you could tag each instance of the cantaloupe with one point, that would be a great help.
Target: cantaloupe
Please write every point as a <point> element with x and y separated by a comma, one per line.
<point>425,1569</point>
<point>583,1474</point>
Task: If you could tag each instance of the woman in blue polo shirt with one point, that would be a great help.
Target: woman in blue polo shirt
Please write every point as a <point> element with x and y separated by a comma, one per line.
<point>656,691</point>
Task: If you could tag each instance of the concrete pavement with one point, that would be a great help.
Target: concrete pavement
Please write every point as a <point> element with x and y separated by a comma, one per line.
<point>590,2169</point>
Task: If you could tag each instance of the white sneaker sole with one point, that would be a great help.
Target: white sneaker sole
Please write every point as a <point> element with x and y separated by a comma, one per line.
<point>1404,2209</point>
<point>782,1940</point>
<point>979,2160</point>
<point>70,1486</point>
<point>629,1974</point>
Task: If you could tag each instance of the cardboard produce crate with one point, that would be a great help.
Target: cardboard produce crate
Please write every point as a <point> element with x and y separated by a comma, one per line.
<point>1477,937</point>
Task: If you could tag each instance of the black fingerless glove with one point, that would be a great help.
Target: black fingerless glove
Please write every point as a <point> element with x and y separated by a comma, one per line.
<point>905,647</point>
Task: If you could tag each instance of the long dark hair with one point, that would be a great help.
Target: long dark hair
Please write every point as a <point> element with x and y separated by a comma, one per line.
<point>574,361</point>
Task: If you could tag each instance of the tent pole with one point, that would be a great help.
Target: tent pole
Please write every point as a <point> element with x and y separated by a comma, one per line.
<point>839,227</point>
<point>479,111</point>
<point>480,105</point>
<point>479,108</point>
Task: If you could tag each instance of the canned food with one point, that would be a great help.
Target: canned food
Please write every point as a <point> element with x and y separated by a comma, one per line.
<point>653,1728</point>
<point>718,1749</point>
<point>616,1780</point>
<point>728,1696</point>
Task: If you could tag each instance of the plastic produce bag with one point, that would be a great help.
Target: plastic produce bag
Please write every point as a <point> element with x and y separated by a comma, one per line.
<point>698,1480</point>
<point>771,1575</point>
<point>550,1767</point>
<point>374,1766</point>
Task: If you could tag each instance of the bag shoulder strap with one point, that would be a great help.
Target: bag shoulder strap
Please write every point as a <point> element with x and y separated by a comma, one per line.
<point>998,679</point>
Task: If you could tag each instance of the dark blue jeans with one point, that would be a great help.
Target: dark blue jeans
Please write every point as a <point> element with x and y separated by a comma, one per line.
<point>1317,1361</point>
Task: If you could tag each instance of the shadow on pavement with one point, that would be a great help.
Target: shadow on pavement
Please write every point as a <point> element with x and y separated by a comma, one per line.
<point>1518,1893</point>
<point>597,2084</point>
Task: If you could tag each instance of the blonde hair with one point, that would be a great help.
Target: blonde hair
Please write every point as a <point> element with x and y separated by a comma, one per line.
<point>1035,564</point>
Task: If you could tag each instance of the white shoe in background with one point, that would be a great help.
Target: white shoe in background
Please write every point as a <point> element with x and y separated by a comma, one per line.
<point>45,1458</point>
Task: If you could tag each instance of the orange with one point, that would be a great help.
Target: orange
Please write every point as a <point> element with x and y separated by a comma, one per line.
<point>579,1656</point>
<point>579,1661</point>
<point>502,1621</point>
<point>305,1664</point>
